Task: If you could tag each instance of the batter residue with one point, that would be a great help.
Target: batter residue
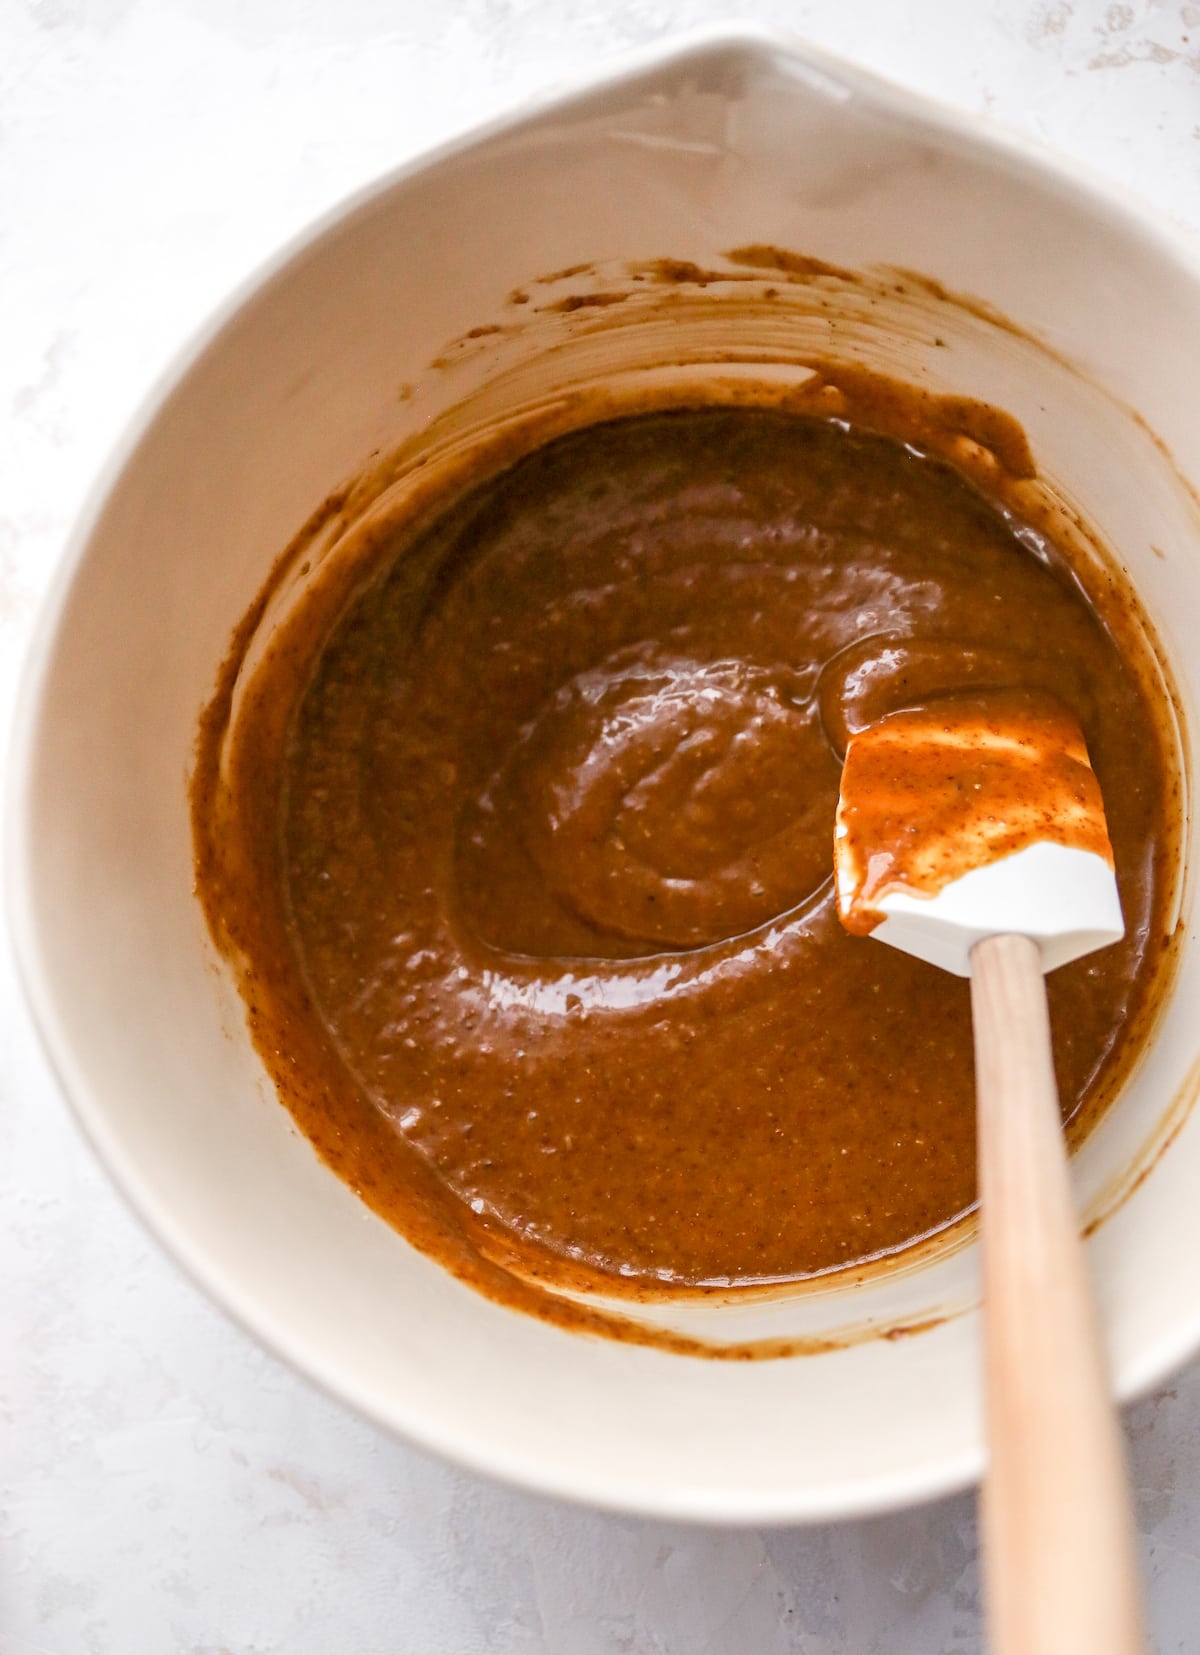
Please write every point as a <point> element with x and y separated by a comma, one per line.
<point>541,906</point>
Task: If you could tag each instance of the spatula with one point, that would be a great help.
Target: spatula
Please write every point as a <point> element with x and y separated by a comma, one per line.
<point>971,833</point>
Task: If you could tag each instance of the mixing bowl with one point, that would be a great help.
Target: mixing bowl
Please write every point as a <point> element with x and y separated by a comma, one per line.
<point>471,286</point>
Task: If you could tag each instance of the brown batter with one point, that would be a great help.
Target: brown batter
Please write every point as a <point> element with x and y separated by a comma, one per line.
<point>536,920</point>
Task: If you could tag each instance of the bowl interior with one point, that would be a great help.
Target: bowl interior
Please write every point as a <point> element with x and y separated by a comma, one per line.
<point>326,362</point>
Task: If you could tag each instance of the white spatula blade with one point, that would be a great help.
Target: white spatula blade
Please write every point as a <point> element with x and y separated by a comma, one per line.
<point>976,816</point>
<point>1064,899</point>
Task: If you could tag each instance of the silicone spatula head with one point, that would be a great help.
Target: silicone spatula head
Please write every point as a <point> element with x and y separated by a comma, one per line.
<point>970,817</point>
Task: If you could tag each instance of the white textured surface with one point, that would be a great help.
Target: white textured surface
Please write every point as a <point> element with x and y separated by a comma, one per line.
<point>163,1485</point>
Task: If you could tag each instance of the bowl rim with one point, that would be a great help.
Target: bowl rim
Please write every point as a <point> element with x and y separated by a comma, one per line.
<point>624,1493</point>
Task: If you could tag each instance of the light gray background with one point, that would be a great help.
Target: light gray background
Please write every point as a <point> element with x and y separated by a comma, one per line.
<point>164,1486</point>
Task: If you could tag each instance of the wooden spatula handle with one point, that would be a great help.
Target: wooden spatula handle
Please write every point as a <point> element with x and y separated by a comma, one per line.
<point>1060,1547</point>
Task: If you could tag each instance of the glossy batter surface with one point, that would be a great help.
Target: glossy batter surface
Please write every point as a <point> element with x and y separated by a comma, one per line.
<point>552,839</point>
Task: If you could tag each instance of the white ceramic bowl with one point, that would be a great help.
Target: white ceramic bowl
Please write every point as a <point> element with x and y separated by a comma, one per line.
<point>696,148</point>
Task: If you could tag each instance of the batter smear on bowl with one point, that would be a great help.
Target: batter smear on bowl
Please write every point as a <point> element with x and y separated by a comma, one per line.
<point>526,856</point>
